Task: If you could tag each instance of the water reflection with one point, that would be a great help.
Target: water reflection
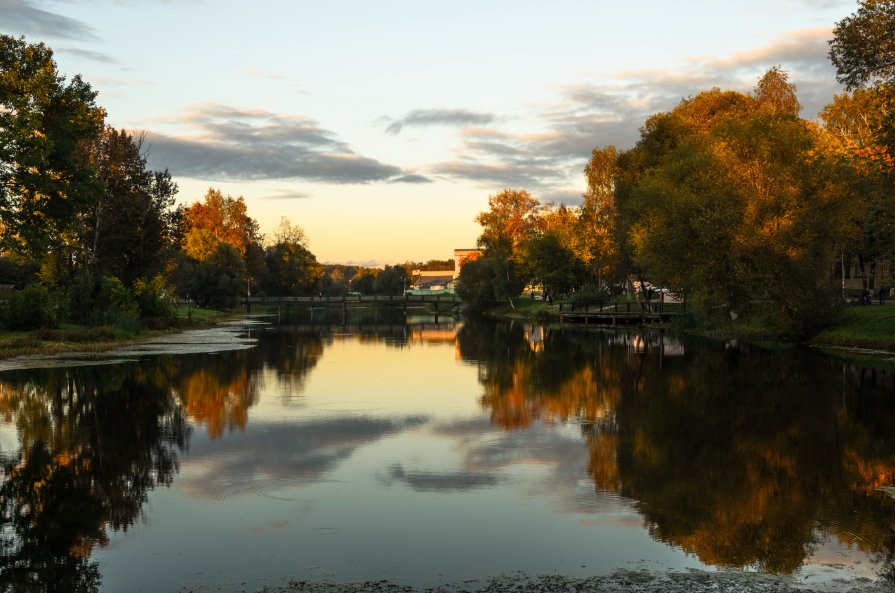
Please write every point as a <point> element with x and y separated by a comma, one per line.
<point>738,455</point>
<point>94,443</point>
<point>742,456</point>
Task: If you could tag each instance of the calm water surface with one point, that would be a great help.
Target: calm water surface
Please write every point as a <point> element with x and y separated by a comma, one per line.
<point>426,453</point>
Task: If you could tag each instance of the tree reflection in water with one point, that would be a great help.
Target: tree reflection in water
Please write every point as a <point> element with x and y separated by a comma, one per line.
<point>94,441</point>
<point>742,456</point>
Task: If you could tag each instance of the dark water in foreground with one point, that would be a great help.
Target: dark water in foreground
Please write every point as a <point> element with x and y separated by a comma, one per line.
<point>427,453</point>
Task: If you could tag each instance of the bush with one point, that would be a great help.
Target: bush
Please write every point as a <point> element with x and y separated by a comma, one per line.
<point>30,308</point>
<point>114,305</point>
<point>153,302</point>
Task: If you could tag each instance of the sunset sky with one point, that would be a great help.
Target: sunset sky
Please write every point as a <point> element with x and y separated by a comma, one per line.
<point>382,127</point>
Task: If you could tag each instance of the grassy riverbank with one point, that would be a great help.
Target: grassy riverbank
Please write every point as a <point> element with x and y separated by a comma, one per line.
<point>868,327</point>
<point>81,338</point>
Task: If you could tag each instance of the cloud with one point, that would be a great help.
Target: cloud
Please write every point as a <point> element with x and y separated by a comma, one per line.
<point>247,145</point>
<point>287,194</point>
<point>411,178</point>
<point>274,456</point>
<point>440,117</point>
<point>21,16</point>
<point>96,56</point>
<point>550,159</point>
<point>454,481</point>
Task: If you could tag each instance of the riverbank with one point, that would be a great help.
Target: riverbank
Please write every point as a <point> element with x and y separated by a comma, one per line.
<point>72,338</point>
<point>623,581</point>
<point>858,327</point>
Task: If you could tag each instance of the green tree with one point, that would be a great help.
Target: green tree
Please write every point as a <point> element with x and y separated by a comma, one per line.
<point>46,126</point>
<point>392,280</point>
<point>292,270</point>
<point>130,231</point>
<point>863,45</point>
<point>552,264</point>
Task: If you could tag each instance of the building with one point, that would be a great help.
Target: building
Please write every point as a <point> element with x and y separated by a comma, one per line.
<point>439,281</point>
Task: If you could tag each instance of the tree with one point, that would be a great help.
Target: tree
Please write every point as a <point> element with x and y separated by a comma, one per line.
<point>216,282</point>
<point>552,264</point>
<point>743,207</point>
<point>776,94</point>
<point>595,229</point>
<point>392,280</point>
<point>863,45</point>
<point>292,270</point>
<point>130,231</point>
<point>46,125</point>
<point>512,216</point>
<point>219,219</point>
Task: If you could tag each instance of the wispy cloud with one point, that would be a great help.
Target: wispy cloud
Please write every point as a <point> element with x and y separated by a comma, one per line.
<point>586,115</point>
<point>96,56</point>
<point>225,143</point>
<point>440,117</point>
<point>24,17</point>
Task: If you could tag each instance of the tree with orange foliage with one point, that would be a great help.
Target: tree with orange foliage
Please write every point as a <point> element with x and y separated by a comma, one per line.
<point>219,219</point>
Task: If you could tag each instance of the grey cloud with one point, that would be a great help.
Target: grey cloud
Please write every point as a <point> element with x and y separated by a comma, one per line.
<point>273,456</point>
<point>287,195</point>
<point>247,145</point>
<point>455,481</point>
<point>412,178</point>
<point>21,16</point>
<point>96,56</point>
<point>586,116</point>
<point>440,117</point>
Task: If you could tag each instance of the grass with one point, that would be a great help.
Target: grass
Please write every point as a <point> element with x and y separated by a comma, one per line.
<point>527,308</point>
<point>82,338</point>
<point>194,315</point>
<point>862,327</point>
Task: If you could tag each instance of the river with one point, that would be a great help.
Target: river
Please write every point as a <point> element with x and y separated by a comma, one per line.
<point>428,453</point>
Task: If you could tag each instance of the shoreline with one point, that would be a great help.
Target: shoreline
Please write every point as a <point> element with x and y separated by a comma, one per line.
<point>619,581</point>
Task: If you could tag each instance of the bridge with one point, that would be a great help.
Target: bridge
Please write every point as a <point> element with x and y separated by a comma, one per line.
<point>396,300</point>
<point>440,303</point>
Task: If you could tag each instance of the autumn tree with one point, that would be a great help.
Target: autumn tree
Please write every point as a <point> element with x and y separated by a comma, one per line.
<point>512,218</point>
<point>216,220</point>
<point>595,229</point>
<point>739,204</point>
<point>863,52</point>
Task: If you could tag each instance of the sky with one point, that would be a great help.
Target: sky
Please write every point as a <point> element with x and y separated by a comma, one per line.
<point>381,127</point>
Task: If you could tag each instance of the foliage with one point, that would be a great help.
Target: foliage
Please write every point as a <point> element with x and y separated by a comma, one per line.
<point>218,220</point>
<point>30,308</point>
<point>596,243</point>
<point>130,231</point>
<point>552,264</point>
<point>113,304</point>
<point>46,125</point>
<point>153,298</point>
<point>863,45</point>
<point>391,281</point>
<point>291,269</point>
<point>739,205</point>
<point>488,280</point>
<point>216,282</point>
